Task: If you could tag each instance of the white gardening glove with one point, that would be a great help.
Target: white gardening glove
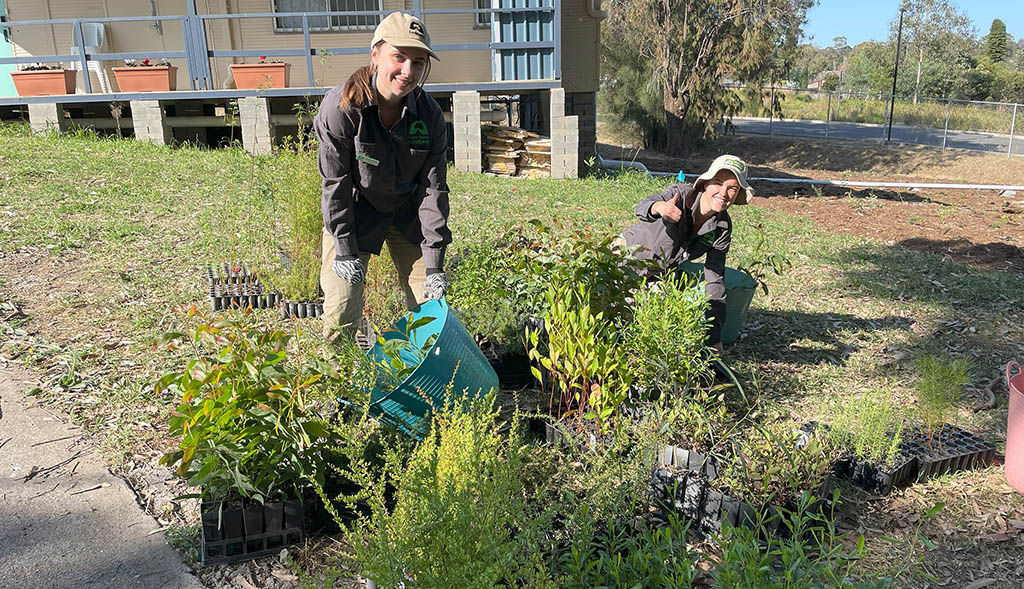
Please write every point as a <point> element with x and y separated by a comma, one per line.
<point>436,285</point>
<point>351,271</point>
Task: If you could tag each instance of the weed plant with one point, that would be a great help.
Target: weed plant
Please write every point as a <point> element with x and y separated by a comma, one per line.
<point>869,426</point>
<point>666,339</point>
<point>939,385</point>
<point>297,196</point>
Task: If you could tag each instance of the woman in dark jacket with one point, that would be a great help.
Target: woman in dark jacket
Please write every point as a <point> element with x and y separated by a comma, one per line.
<point>685,222</point>
<point>382,160</point>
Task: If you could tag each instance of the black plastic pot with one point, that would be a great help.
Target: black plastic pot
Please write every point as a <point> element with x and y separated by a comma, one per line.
<point>248,532</point>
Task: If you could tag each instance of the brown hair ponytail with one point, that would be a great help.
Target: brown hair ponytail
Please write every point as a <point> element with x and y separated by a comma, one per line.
<point>358,91</point>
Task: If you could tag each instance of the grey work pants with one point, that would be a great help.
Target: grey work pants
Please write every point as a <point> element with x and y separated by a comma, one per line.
<point>343,301</point>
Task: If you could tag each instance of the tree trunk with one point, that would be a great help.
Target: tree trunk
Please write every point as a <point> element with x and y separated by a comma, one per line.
<point>678,134</point>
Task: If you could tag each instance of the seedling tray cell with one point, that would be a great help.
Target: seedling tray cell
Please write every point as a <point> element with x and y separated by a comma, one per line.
<point>249,532</point>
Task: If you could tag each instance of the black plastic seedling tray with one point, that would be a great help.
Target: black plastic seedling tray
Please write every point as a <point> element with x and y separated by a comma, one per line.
<point>234,286</point>
<point>683,481</point>
<point>237,534</point>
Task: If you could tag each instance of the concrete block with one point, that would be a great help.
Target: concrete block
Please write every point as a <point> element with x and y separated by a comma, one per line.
<point>43,118</point>
<point>257,129</point>
<point>468,141</point>
<point>150,123</point>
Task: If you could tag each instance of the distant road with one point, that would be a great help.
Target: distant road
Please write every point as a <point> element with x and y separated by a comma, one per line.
<point>900,134</point>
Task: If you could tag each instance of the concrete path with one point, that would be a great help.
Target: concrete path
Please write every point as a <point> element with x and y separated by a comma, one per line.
<point>975,140</point>
<point>65,520</point>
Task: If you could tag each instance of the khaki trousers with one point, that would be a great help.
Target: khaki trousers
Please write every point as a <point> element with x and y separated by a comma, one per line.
<point>343,302</point>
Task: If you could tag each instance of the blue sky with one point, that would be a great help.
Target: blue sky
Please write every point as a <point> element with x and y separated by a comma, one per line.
<point>868,20</point>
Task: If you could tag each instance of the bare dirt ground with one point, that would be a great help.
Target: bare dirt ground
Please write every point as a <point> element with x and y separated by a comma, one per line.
<point>979,227</point>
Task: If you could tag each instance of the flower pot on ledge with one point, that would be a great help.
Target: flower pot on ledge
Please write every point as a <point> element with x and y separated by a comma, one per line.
<point>44,82</point>
<point>254,76</point>
<point>159,78</point>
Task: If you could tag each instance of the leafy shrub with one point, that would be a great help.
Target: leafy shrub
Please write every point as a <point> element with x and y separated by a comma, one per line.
<point>456,498</point>
<point>584,361</point>
<point>698,421</point>
<point>245,421</point>
<point>763,261</point>
<point>869,426</point>
<point>939,385</point>
<point>401,354</point>
<point>666,338</point>
<point>778,462</point>
<point>483,284</point>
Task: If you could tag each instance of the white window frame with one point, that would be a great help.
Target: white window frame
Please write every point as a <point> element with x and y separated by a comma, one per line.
<point>334,25</point>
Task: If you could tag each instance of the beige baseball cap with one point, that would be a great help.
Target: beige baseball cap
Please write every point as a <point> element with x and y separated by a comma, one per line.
<point>403,30</point>
<point>735,165</point>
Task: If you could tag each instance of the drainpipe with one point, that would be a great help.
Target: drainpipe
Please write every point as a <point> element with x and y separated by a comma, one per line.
<point>593,12</point>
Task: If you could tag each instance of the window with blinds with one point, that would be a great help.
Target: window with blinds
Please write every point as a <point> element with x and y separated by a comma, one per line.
<point>293,24</point>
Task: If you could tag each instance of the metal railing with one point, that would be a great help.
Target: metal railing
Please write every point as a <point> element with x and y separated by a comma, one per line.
<point>197,54</point>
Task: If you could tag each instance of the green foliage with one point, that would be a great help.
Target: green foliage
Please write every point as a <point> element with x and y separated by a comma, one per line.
<point>699,421</point>
<point>244,419</point>
<point>830,83</point>
<point>995,45</point>
<point>763,260</point>
<point>622,556</point>
<point>456,499</point>
<point>582,356</point>
<point>776,462</point>
<point>939,385</point>
<point>870,426</point>
<point>482,286</point>
<point>401,354</point>
<point>666,339</point>
<point>810,556</point>
<point>630,92</point>
<point>689,48</point>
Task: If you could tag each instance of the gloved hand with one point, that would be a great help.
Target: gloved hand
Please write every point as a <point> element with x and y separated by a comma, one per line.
<point>350,270</point>
<point>436,285</point>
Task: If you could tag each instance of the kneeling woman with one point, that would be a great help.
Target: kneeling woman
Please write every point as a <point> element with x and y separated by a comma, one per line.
<point>684,223</point>
<point>382,160</point>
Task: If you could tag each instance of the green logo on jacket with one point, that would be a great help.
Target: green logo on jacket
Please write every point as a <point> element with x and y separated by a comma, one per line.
<point>419,135</point>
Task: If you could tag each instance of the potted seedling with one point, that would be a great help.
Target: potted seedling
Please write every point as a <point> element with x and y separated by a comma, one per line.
<point>146,76</point>
<point>870,430</point>
<point>248,435</point>
<point>585,369</point>
<point>42,79</point>
<point>261,75</point>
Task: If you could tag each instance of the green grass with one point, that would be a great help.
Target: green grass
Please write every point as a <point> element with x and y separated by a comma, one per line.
<point>104,242</point>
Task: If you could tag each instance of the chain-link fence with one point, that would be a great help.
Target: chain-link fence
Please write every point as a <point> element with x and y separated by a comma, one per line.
<point>966,124</point>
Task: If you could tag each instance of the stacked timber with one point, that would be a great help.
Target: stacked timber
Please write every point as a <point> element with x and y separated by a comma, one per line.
<point>503,147</point>
<point>535,157</point>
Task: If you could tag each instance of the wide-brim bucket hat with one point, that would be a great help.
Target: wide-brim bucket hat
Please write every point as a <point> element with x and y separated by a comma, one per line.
<point>739,169</point>
<point>403,30</point>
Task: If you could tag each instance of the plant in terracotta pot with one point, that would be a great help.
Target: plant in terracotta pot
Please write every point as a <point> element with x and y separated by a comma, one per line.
<point>146,76</point>
<point>41,79</point>
<point>248,432</point>
<point>261,75</point>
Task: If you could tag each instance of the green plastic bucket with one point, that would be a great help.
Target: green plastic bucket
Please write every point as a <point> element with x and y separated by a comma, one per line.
<point>739,291</point>
<point>454,358</point>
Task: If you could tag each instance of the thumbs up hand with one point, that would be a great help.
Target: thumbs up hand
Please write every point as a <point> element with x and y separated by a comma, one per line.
<point>668,209</point>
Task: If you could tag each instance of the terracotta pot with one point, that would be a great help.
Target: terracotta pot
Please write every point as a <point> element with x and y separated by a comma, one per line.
<point>44,82</point>
<point>1015,428</point>
<point>159,78</point>
<point>261,75</point>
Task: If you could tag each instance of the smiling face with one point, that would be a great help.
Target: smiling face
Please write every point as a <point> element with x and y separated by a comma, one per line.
<point>719,192</point>
<point>398,70</point>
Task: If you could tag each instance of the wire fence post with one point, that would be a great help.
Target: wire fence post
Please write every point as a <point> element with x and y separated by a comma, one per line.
<point>828,113</point>
<point>945,129</point>
<point>771,111</point>
<point>1013,126</point>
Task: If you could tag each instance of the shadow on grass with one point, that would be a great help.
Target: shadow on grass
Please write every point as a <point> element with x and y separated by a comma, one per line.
<point>993,256</point>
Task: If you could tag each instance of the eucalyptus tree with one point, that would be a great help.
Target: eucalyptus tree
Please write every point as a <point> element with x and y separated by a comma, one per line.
<point>693,46</point>
<point>928,26</point>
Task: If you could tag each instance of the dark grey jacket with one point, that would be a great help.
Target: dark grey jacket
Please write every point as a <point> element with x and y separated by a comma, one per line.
<point>375,177</point>
<point>674,243</point>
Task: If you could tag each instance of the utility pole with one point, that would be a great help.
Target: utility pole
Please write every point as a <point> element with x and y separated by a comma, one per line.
<point>895,70</point>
